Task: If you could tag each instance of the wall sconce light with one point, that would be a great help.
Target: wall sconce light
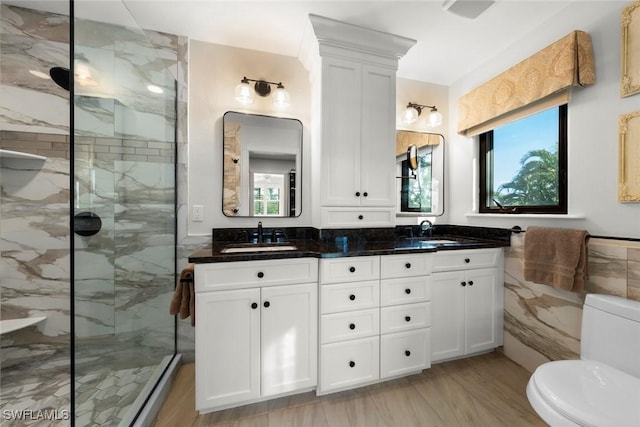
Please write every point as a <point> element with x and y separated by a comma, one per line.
<point>244,94</point>
<point>413,111</point>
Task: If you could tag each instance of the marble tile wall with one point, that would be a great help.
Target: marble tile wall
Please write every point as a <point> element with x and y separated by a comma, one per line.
<point>543,323</point>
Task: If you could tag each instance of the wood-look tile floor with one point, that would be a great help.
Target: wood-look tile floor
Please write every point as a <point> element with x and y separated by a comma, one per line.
<point>486,391</point>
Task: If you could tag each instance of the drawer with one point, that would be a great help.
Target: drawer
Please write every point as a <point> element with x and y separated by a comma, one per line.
<point>349,363</point>
<point>405,265</point>
<point>349,325</point>
<point>405,352</point>
<point>405,317</point>
<point>357,217</point>
<point>404,291</point>
<point>349,296</point>
<point>349,269</point>
<point>246,274</point>
<point>466,259</point>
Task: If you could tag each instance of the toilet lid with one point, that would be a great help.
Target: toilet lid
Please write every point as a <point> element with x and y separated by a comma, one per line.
<point>590,393</point>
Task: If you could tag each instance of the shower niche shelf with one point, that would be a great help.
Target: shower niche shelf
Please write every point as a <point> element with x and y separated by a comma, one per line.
<point>15,158</point>
<point>11,325</point>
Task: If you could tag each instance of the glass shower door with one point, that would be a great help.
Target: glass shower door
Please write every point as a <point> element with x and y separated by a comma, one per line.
<point>124,199</point>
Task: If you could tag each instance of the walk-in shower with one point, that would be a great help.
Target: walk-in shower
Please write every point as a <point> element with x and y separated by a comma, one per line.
<point>87,214</point>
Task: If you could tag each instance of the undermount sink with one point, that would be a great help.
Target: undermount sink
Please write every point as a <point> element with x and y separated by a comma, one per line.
<point>258,248</point>
<point>440,242</point>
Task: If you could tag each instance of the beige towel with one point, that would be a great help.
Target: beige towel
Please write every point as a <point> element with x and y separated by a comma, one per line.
<point>556,257</point>
<point>184,297</point>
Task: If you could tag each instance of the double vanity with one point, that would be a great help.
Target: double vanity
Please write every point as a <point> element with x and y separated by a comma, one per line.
<point>336,312</point>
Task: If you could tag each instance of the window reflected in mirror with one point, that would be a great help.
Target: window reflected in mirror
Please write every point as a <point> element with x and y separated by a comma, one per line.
<point>262,161</point>
<point>420,191</point>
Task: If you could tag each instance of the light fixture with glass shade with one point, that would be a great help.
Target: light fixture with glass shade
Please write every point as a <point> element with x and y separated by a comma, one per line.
<point>413,111</point>
<point>244,94</point>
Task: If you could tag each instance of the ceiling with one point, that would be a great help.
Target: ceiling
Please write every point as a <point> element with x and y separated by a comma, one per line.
<point>448,46</point>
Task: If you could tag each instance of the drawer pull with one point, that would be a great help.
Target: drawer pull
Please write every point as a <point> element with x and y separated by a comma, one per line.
<point>260,274</point>
<point>360,216</point>
<point>407,318</point>
<point>467,260</point>
<point>352,269</point>
<point>254,305</point>
<point>407,353</point>
<point>463,283</point>
<point>352,326</point>
<point>407,291</point>
<point>408,265</point>
<point>470,282</point>
<point>266,304</point>
<point>352,297</point>
<point>352,364</point>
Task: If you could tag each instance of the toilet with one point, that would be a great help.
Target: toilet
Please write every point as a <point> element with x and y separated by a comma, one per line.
<point>602,389</point>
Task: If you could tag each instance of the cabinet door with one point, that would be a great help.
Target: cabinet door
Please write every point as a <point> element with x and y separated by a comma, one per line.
<point>341,106</point>
<point>481,310</point>
<point>447,315</point>
<point>378,182</point>
<point>289,338</point>
<point>227,347</point>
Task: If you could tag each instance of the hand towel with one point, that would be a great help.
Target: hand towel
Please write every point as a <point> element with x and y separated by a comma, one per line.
<point>184,297</point>
<point>556,257</point>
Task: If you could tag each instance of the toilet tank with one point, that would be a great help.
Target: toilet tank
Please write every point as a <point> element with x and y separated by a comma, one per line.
<point>611,332</point>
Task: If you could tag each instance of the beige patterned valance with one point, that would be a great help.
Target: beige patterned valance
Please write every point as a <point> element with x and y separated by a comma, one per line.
<point>565,63</point>
<point>405,138</point>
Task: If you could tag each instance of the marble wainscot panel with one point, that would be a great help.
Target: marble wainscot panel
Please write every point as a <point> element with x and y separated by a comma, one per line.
<point>34,259</point>
<point>543,323</point>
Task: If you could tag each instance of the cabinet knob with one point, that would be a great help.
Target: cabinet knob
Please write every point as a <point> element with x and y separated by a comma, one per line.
<point>360,216</point>
<point>352,297</point>
<point>266,304</point>
<point>470,282</point>
<point>352,269</point>
<point>357,194</point>
<point>463,283</point>
<point>467,260</point>
<point>408,265</point>
<point>407,353</point>
<point>407,291</point>
<point>365,194</point>
<point>260,274</point>
<point>352,363</point>
<point>352,326</point>
<point>254,305</point>
<point>407,318</point>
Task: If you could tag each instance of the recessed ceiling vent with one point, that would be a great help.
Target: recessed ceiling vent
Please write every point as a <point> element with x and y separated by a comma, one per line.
<point>469,9</point>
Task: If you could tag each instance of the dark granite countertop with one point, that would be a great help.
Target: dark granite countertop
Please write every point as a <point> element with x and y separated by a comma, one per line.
<point>350,246</point>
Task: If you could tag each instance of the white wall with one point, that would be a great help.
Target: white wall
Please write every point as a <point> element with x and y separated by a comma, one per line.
<point>593,130</point>
<point>214,72</point>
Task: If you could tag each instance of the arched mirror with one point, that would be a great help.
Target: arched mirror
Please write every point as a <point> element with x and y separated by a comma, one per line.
<point>262,166</point>
<point>420,171</point>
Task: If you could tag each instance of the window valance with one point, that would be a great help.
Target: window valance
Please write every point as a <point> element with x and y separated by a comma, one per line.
<point>406,138</point>
<point>539,80</point>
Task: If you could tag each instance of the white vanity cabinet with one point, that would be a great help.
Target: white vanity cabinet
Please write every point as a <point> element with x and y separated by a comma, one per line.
<point>467,302</point>
<point>256,331</point>
<point>405,314</point>
<point>375,319</point>
<point>349,322</point>
<point>354,98</point>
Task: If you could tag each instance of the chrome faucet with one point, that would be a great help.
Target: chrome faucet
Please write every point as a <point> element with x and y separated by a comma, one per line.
<point>260,234</point>
<point>426,226</point>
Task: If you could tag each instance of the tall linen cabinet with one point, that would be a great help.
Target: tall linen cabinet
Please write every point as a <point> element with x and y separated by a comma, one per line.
<point>353,74</point>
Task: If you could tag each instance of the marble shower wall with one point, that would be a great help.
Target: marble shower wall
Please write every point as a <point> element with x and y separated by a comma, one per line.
<point>543,323</point>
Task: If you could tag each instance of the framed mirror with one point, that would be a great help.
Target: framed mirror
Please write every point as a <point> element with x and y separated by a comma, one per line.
<point>262,166</point>
<point>420,172</point>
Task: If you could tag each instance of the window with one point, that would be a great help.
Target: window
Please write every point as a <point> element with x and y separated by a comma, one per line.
<point>415,194</point>
<point>523,165</point>
<point>267,194</point>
